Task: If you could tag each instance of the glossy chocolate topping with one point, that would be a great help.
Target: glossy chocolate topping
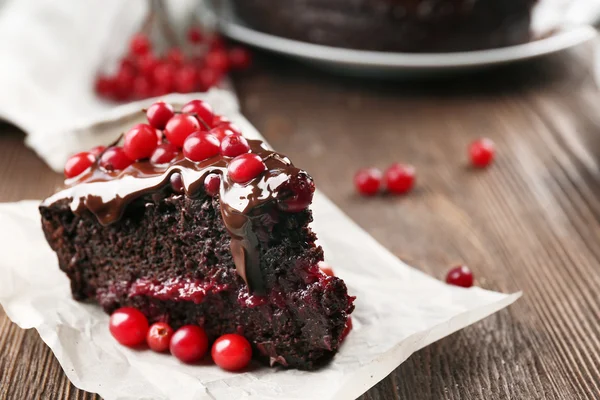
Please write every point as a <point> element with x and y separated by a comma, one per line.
<point>106,194</point>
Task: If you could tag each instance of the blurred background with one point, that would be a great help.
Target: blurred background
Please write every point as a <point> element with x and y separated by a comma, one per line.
<point>342,85</point>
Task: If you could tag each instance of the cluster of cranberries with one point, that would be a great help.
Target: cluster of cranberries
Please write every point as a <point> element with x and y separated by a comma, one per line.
<point>142,74</point>
<point>196,132</point>
<point>129,326</point>
<point>400,178</point>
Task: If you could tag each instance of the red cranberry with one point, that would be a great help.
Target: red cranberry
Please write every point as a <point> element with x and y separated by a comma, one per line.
<point>164,153</point>
<point>164,76</point>
<point>177,183</point>
<point>175,56</point>
<point>221,131</point>
<point>216,42</point>
<point>219,119</point>
<point>78,163</point>
<point>208,78</point>
<point>96,151</point>
<point>460,276</point>
<point>234,145</point>
<point>123,84</point>
<point>399,178</point>
<point>114,159</point>
<point>217,60</point>
<point>326,268</point>
<point>141,88</point>
<point>245,167</point>
<point>139,44</point>
<point>368,181</point>
<point>189,343</point>
<point>140,142</point>
<point>186,79</point>
<point>159,114</point>
<point>482,152</point>
<point>147,64</point>
<point>179,127</point>
<point>201,109</point>
<point>232,127</point>
<point>194,35</point>
<point>239,58</point>
<point>159,337</point>
<point>105,86</point>
<point>232,352</point>
<point>212,184</point>
<point>297,194</point>
<point>128,326</point>
<point>200,146</point>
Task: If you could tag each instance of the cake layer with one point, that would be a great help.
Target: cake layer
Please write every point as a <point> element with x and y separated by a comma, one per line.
<point>169,255</point>
<point>394,25</point>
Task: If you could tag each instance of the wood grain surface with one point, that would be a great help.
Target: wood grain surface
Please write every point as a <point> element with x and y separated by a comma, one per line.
<point>531,222</point>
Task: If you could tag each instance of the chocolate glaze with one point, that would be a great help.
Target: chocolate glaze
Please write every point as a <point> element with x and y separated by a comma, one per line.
<point>106,194</point>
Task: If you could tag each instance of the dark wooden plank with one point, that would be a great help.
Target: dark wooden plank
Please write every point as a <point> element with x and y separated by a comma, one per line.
<point>530,223</point>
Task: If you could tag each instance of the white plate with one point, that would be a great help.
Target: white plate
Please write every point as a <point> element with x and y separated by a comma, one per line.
<point>387,63</point>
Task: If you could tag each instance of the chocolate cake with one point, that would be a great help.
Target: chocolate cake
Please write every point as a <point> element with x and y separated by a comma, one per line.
<point>186,244</point>
<point>393,25</point>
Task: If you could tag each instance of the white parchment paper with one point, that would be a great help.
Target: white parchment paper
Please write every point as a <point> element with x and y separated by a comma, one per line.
<point>398,311</point>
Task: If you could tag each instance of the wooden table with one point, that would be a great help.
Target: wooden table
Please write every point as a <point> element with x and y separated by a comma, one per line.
<point>531,222</point>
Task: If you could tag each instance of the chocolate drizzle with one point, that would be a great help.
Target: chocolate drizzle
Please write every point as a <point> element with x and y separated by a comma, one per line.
<point>106,194</point>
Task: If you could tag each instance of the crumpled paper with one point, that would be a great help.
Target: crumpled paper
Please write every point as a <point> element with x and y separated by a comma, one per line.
<point>398,311</point>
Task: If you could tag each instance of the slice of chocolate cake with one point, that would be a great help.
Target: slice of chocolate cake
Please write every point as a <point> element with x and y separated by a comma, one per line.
<point>215,234</point>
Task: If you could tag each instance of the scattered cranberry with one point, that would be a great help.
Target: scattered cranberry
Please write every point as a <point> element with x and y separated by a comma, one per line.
<point>180,127</point>
<point>200,109</point>
<point>96,151</point>
<point>129,326</point>
<point>200,146</point>
<point>164,153</point>
<point>194,35</point>
<point>114,159</point>
<point>399,178</point>
<point>221,131</point>
<point>139,44</point>
<point>232,352</point>
<point>234,145</point>
<point>159,337</point>
<point>297,194</point>
<point>245,167</point>
<point>460,276</point>
<point>140,142</point>
<point>232,127</point>
<point>239,58</point>
<point>368,181</point>
<point>78,163</point>
<point>159,114</point>
<point>212,183</point>
<point>326,268</point>
<point>482,152</point>
<point>189,343</point>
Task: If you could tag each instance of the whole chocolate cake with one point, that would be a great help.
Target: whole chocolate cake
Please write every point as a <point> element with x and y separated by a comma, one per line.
<point>394,25</point>
<point>211,235</point>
